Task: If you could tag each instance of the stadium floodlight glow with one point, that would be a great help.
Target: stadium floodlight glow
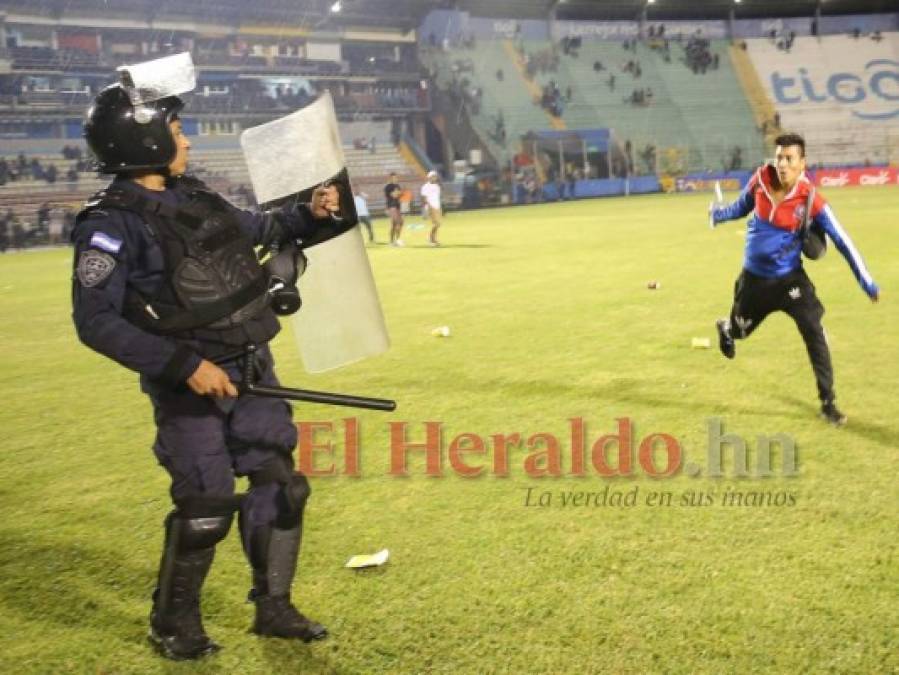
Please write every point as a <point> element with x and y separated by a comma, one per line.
<point>650,2</point>
<point>335,7</point>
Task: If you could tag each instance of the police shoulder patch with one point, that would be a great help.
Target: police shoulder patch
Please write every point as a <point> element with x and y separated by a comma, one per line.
<point>94,267</point>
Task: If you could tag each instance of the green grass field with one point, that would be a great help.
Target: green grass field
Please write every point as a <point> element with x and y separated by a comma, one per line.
<point>551,319</point>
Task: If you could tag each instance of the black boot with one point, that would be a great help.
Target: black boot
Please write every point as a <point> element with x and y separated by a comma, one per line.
<point>274,554</point>
<point>176,628</point>
<point>277,617</point>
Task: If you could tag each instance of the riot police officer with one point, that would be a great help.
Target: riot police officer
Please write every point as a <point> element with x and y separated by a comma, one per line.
<point>167,283</point>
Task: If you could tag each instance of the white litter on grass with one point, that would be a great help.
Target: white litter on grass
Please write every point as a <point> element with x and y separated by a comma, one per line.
<point>701,343</point>
<point>372,560</point>
<point>441,331</point>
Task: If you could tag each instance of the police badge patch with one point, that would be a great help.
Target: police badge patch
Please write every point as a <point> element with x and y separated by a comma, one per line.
<point>93,267</point>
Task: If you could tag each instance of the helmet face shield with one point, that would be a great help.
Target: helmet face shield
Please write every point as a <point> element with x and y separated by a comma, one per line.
<point>158,79</point>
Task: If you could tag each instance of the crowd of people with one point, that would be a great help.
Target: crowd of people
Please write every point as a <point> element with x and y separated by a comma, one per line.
<point>698,55</point>
<point>52,225</point>
<point>783,39</point>
<point>552,100</point>
<point>21,168</point>
<point>634,68</point>
<point>540,62</point>
<point>52,222</point>
<point>465,93</point>
<point>657,41</point>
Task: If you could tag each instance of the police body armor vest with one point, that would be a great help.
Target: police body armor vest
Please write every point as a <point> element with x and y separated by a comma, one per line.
<point>214,288</point>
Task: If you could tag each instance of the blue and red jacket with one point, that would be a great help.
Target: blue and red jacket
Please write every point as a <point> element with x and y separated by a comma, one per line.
<point>773,246</point>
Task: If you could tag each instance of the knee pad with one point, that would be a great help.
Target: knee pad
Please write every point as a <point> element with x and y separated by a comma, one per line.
<point>298,491</point>
<point>201,533</point>
<point>294,492</point>
<point>201,521</point>
<point>293,502</point>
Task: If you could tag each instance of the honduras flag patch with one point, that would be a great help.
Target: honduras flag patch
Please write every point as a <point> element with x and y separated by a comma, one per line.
<point>105,243</point>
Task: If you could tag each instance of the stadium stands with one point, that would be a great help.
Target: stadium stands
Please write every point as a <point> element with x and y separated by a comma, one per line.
<point>222,167</point>
<point>225,170</point>
<point>840,90</point>
<point>470,75</point>
<point>702,116</point>
<point>675,103</point>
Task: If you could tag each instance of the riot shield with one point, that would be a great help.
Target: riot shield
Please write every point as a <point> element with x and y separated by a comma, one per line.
<point>341,320</point>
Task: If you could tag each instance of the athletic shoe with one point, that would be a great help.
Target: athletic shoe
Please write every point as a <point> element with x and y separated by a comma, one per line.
<point>725,339</point>
<point>832,414</point>
<point>434,243</point>
<point>399,243</point>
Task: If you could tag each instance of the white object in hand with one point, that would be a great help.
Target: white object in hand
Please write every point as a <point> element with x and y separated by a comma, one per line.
<point>719,201</point>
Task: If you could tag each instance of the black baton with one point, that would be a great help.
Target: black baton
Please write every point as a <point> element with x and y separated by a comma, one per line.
<point>247,385</point>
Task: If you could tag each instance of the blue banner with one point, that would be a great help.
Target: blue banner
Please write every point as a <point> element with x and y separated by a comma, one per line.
<point>866,23</point>
<point>603,187</point>
<point>756,28</point>
<point>450,28</point>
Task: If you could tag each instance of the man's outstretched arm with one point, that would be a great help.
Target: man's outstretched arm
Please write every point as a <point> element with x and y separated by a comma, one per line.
<point>719,212</point>
<point>827,219</point>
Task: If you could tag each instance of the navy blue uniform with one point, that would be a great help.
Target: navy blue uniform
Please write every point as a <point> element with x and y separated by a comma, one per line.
<point>200,441</point>
<point>165,281</point>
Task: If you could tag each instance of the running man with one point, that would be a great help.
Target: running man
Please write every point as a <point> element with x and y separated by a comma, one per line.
<point>786,209</point>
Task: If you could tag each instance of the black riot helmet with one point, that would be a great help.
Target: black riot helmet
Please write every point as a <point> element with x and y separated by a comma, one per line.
<point>128,137</point>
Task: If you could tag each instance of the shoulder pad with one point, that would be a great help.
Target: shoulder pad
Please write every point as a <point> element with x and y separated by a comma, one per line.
<point>97,227</point>
<point>109,198</point>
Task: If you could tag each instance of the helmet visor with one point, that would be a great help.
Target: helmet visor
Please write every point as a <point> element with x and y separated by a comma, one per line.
<point>152,80</point>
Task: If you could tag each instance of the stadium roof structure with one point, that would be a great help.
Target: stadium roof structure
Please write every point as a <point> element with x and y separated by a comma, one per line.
<point>402,14</point>
<point>408,14</point>
<point>668,9</point>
